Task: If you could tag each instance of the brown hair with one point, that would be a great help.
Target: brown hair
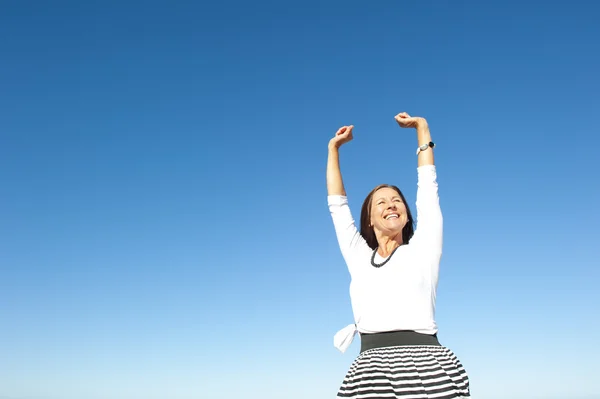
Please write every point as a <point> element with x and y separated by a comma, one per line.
<point>365,219</point>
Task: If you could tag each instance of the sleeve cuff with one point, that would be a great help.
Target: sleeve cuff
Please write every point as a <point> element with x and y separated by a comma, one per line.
<point>427,172</point>
<point>337,200</point>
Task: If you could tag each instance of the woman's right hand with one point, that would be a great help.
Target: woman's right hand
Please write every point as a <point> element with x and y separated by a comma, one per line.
<point>342,136</point>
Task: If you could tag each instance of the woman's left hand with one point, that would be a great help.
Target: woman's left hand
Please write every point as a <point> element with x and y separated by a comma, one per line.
<point>405,120</point>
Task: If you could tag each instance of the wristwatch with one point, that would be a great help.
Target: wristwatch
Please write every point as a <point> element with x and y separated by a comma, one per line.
<point>425,146</point>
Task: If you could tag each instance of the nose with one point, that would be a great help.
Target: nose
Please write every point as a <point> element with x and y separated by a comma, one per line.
<point>392,206</point>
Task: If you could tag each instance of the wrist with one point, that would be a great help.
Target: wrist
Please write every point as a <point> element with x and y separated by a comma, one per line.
<point>422,124</point>
<point>423,134</point>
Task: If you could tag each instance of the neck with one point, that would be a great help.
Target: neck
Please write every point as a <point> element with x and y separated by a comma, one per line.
<point>387,245</point>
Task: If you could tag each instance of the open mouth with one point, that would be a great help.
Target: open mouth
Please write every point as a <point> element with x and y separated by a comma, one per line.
<point>392,216</point>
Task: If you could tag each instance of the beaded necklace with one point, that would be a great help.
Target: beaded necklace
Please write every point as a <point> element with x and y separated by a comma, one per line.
<point>385,261</point>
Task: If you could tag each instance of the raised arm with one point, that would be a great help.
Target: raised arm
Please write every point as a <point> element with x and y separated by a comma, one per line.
<point>335,184</point>
<point>352,245</point>
<point>429,230</point>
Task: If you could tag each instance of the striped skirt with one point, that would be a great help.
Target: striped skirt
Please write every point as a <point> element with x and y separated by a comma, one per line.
<point>408,372</point>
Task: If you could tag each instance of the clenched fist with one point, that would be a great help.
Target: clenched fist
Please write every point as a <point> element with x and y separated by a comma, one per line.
<point>342,136</point>
<point>405,120</point>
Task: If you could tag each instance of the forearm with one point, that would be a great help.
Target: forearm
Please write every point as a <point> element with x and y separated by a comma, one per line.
<point>424,137</point>
<point>335,184</point>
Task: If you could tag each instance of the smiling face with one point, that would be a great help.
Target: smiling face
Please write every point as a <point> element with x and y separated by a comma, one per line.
<point>375,215</point>
<point>388,213</point>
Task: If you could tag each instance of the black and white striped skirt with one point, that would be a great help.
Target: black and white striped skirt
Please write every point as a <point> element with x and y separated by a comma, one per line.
<point>410,371</point>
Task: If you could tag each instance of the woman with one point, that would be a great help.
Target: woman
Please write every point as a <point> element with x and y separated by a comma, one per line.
<point>394,273</point>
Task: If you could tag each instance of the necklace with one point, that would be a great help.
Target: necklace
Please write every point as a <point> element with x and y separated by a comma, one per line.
<point>385,261</point>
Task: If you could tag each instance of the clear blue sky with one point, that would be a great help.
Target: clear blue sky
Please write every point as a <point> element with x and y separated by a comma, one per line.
<point>164,231</point>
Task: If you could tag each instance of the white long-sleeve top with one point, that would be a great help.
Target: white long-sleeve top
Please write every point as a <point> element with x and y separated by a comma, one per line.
<point>401,294</point>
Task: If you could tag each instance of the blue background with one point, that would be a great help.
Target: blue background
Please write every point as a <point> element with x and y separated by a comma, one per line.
<point>163,223</point>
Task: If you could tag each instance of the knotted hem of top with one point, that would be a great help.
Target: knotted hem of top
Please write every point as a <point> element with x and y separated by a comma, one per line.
<point>343,338</point>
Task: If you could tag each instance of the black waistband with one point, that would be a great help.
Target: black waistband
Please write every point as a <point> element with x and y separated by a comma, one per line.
<point>396,338</point>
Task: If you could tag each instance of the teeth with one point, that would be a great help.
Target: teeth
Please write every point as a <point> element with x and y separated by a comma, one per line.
<point>388,217</point>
